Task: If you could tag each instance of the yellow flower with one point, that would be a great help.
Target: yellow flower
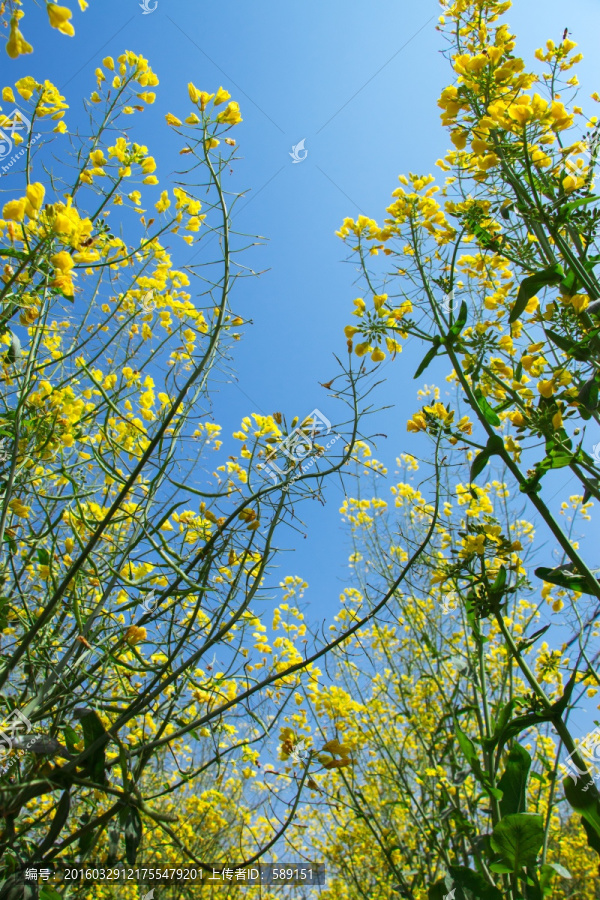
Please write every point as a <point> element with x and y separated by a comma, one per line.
<point>14,210</point>
<point>26,86</point>
<point>546,388</point>
<point>569,184</point>
<point>335,763</point>
<point>63,263</point>
<point>221,96</point>
<point>19,509</point>
<point>172,120</point>
<point>230,115</point>
<point>135,634</point>
<point>149,165</point>
<point>205,99</point>
<point>193,92</point>
<point>194,223</point>
<point>417,423</point>
<point>8,95</point>
<point>35,197</point>
<point>459,139</point>
<point>59,18</point>
<point>164,202</point>
<point>377,355</point>
<point>16,44</point>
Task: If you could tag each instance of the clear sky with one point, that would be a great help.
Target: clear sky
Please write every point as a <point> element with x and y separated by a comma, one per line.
<point>359,83</point>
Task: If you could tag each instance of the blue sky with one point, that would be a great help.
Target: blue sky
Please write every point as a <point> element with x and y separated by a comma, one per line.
<point>359,83</point>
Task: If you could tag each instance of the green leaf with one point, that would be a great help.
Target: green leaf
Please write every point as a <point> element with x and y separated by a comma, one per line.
<point>489,414</point>
<point>114,836</point>
<point>133,834</point>
<point>513,782</point>
<point>531,285</point>
<point>558,459</point>
<point>494,445</point>
<point>479,464</point>
<point>593,838</point>
<point>500,581</point>
<point>470,753</point>
<point>557,869</point>
<point>18,254</point>
<point>577,203</point>
<point>474,883</point>
<point>528,642</point>
<point>588,395</point>
<point>500,868</point>
<point>437,891</point>
<point>522,723</point>
<point>71,738</point>
<point>461,321</point>
<point>431,353</point>
<point>467,746</point>
<point>43,556</point>
<point>58,822</point>
<point>519,838</point>
<point>14,352</point>
<point>4,610</point>
<point>87,838</point>
<point>503,720</point>
<point>565,579</point>
<point>566,344</point>
<point>93,731</point>
<point>588,805</point>
<point>48,893</point>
